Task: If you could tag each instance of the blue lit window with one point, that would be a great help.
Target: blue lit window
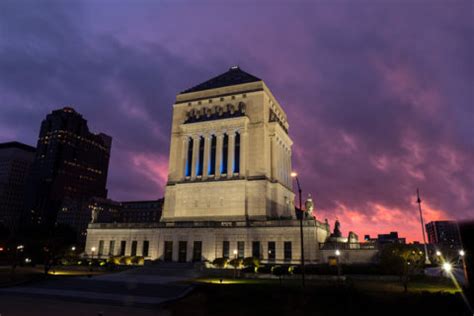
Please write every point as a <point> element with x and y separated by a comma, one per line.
<point>237,153</point>
<point>212,159</point>
<point>200,164</point>
<point>225,147</point>
<point>189,160</point>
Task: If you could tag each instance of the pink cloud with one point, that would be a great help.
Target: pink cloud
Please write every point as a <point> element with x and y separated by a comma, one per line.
<point>152,166</point>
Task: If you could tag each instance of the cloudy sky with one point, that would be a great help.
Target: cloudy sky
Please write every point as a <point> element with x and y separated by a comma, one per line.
<point>379,94</point>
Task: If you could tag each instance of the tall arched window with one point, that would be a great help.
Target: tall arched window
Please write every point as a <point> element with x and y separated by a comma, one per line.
<point>200,164</point>
<point>189,158</point>
<point>225,148</point>
<point>237,153</point>
<point>212,158</point>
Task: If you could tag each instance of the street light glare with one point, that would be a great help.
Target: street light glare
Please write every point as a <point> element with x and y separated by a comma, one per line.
<point>447,267</point>
<point>438,253</point>
<point>93,249</point>
<point>338,253</point>
<point>294,174</point>
<point>461,253</point>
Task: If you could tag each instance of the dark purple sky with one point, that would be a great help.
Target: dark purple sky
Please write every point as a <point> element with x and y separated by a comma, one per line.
<point>379,96</point>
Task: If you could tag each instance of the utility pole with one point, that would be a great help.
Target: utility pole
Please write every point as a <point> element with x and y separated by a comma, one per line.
<point>427,259</point>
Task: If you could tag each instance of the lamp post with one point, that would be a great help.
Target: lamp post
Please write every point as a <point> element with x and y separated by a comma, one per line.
<point>92,258</point>
<point>462,255</point>
<point>235,263</point>
<point>338,254</point>
<point>295,175</point>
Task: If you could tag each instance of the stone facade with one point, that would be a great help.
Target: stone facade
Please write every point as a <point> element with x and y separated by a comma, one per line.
<point>265,156</point>
<point>229,186</point>
<point>211,237</point>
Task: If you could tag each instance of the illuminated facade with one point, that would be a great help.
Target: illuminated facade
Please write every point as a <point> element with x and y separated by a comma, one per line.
<point>230,153</point>
<point>229,186</point>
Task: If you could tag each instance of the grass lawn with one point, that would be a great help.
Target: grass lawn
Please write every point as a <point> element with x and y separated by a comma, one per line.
<point>268,297</point>
<point>21,274</point>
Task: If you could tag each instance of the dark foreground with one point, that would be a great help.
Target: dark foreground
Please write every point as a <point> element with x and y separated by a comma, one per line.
<point>263,297</point>
<point>361,298</point>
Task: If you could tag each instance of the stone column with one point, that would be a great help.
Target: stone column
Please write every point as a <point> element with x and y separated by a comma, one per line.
<point>243,153</point>
<point>230,155</point>
<point>290,166</point>
<point>273,155</point>
<point>195,156</point>
<point>207,148</point>
<point>219,145</point>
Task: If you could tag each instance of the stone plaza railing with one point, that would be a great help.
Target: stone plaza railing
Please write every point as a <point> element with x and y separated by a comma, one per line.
<point>191,224</point>
<point>347,246</point>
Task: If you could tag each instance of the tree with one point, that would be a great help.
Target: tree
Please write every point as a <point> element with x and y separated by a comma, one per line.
<point>47,244</point>
<point>403,260</point>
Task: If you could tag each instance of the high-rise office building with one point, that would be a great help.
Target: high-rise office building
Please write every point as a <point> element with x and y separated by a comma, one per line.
<point>443,233</point>
<point>15,163</point>
<point>71,164</point>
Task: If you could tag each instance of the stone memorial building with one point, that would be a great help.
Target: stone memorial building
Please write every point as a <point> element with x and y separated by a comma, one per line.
<point>229,190</point>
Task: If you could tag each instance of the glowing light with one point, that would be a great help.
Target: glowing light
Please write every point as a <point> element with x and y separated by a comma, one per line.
<point>27,260</point>
<point>294,174</point>
<point>73,248</point>
<point>93,249</point>
<point>338,253</point>
<point>462,253</point>
<point>438,253</point>
<point>235,252</point>
<point>447,267</point>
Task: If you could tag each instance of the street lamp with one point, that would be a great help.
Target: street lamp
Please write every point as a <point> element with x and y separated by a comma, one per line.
<point>235,262</point>
<point>438,253</point>
<point>338,254</point>
<point>447,267</point>
<point>73,248</point>
<point>462,254</point>
<point>92,257</point>
<point>295,175</point>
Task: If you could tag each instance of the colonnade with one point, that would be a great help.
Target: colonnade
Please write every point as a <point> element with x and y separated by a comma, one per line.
<point>215,155</point>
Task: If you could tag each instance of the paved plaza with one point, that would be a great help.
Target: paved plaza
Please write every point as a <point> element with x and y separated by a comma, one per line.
<point>143,288</point>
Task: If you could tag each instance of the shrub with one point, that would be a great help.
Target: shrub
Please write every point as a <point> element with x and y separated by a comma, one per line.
<point>251,262</point>
<point>114,260</point>
<point>249,269</point>
<point>126,260</point>
<point>220,262</point>
<point>137,260</point>
<point>280,270</point>
<point>236,263</point>
<point>264,269</point>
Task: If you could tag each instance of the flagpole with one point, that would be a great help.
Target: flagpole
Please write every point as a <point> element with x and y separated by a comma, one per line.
<point>427,259</point>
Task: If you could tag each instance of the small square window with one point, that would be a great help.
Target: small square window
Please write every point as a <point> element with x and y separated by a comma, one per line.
<point>233,97</point>
<point>199,102</point>
<point>222,99</point>
<point>244,95</point>
<point>210,101</point>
